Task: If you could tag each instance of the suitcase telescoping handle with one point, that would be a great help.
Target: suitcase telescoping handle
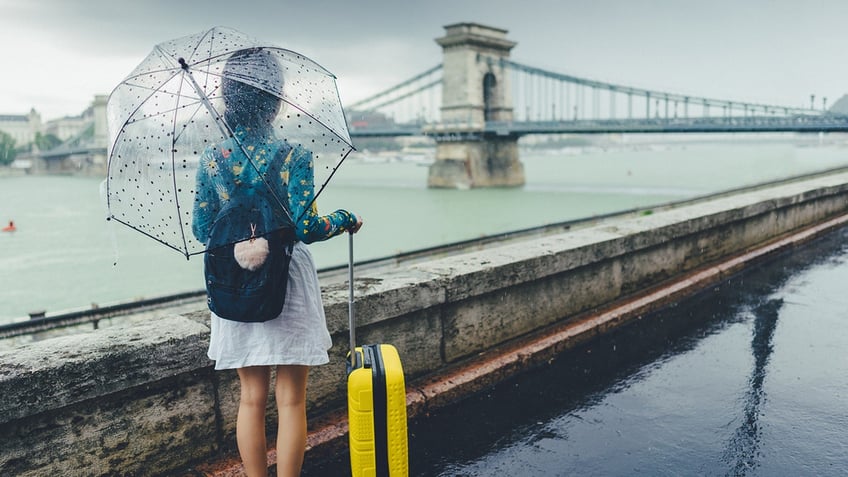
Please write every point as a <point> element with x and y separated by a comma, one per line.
<point>350,310</point>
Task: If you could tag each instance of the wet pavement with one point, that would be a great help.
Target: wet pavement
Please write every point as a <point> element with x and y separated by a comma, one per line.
<point>749,377</point>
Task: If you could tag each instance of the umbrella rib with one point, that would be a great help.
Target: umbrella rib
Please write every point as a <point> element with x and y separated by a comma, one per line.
<point>346,125</point>
<point>173,165</point>
<point>147,73</point>
<point>346,141</point>
<point>305,112</point>
<point>162,113</point>
<point>207,33</point>
<point>199,104</point>
<point>315,196</point>
<point>115,142</point>
<point>314,66</point>
<point>209,58</point>
<point>197,101</point>
<point>310,115</point>
<point>324,185</point>
<point>141,86</point>
<point>127,82</point>
<point>182,252</point>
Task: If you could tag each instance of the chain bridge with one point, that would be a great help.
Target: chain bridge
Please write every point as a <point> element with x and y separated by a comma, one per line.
<point>479,102</point>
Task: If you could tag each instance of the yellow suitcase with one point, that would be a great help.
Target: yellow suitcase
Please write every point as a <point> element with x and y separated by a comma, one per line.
<point>376,396</point>
<point>377,413</point>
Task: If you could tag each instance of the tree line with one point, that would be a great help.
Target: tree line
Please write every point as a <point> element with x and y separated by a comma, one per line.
<point>8,151</point>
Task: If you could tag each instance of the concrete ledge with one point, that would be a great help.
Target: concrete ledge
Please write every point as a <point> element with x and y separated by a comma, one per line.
<point>71,369</point>
<point>494,295</point>
<point>129,401</point>
<point>144,400</point>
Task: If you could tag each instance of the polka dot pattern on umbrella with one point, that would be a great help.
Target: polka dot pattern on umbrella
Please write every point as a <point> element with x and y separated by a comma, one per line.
<point>189,96</point>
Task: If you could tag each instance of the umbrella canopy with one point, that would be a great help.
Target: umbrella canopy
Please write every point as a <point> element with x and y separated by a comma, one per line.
<point>214,98</point>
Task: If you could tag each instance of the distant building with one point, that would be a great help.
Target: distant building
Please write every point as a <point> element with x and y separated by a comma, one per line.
<point>69,126</point>
<point>22,127</point>
<point>83,147</point>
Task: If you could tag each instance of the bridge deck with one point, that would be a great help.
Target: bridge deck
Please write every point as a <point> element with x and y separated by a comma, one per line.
<point>799,124</point>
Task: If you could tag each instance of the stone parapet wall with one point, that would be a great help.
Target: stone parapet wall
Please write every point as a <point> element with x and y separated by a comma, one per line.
<point>144,400</point>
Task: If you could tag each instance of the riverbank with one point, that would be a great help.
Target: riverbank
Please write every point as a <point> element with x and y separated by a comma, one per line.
<point>6,171</point>
<point>440,313</point>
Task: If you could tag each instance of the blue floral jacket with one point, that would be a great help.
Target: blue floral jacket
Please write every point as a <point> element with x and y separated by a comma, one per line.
<point>295,181</point>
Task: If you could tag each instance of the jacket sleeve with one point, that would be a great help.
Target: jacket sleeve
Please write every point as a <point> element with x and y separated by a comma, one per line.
<point>206,203</point>
<point>309,226</point>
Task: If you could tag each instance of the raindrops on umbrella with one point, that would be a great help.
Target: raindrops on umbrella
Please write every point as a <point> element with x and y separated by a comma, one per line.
<point>171,110</point>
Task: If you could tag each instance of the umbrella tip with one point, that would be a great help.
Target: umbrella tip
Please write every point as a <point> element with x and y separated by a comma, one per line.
<point>183,63</point>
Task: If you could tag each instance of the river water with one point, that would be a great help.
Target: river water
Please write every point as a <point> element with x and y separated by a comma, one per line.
<point>65,256</point>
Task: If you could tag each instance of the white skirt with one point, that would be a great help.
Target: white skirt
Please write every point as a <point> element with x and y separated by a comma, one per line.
<point>297,336</point>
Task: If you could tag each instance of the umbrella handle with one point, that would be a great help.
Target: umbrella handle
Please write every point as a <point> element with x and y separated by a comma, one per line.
<point>350,310</point>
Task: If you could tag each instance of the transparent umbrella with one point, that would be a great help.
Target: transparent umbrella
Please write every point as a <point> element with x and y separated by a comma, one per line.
<point>224,112</point>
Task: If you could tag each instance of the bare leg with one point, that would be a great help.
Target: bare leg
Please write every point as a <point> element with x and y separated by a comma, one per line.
<point>291,407</point>
<point>250,427</point>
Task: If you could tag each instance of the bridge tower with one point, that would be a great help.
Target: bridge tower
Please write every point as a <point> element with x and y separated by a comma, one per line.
<point>475,89</point>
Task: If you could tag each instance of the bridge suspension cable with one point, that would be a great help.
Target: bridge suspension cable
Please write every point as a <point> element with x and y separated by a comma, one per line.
<point>364,102</point>
<point>547,102</point>
<point>541,95</point>
<point>407,105</point>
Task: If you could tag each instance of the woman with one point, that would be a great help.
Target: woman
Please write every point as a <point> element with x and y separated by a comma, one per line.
<point>298,337</point>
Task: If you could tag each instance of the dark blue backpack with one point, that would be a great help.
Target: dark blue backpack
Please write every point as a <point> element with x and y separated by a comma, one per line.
<point>233,292</point>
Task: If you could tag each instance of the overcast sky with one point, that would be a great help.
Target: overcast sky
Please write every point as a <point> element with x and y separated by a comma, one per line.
<point>57,54</point>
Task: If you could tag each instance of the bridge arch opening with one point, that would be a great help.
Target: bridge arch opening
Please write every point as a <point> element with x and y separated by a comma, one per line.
<point>490,84</point>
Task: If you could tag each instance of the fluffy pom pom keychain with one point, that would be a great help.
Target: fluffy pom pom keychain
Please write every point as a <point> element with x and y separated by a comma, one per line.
<point>251,254</point>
